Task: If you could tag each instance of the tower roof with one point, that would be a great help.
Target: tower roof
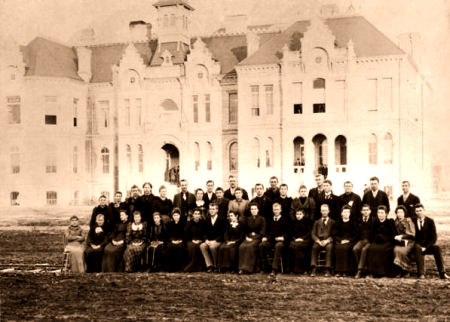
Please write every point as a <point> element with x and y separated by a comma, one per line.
<point>167,3</point>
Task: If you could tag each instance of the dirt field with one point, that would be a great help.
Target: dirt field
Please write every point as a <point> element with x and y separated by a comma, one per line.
<point>202,296</point>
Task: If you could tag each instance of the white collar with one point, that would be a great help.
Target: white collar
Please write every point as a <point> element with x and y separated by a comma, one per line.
<point>136,227</point>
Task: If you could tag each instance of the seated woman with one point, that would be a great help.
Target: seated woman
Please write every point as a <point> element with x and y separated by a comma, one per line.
<point>113,252</point>
<point>136,240</point>
<point>379,254</point>
<point>193,235</point>
<point>157,238</point>
<point>300,245</point>
<point>345,233</point>
<point>175,252</point>
<point>228,251</point>
<point>404,240</point>
<point>255,229</point>
<point>163,205</point>
<point>74,246</point>
<point>95,243</point>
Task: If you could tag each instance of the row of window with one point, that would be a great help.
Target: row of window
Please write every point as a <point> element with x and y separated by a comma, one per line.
<point>172,21</point>
<point>105,159</point>
<point>52,198</point>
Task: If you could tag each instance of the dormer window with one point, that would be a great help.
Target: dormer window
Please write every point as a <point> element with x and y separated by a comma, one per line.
<point>167,57</point>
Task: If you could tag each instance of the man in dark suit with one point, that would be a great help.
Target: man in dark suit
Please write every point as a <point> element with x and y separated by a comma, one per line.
<point>365,236</point>
<point>375,197</point>
<point>330,199</point>
<point>316,193</point>
<point>284,200</point>
<point>222,202</point>
<point>321,235</point>
<point>276,238</point>
<point>408,200</point>
<point>102,208</point>
<point>214,228</point>
<point>425,243</point>
<point>229,193</point>
<point>352,199</point>
<point>264,203</point>
<point>185,201</point>
<point>209,195</point>
<point>272,192</point>
<point>146,203</point>
<point>133,202</point>
<point>114,208</point>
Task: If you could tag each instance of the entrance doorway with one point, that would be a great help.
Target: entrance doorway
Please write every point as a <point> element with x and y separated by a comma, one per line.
<point>172,171</point>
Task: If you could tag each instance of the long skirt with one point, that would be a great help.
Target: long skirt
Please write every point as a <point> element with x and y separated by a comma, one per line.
<point>380,258</point>
<point>194,258</point>
<point>175,257</point>
<point>344,261</point>
<point>76,250</point>
<point>299,256</point>
<point>132,256</point>
<point>228,256</point>
<point>401,253</point>
<point>248,255</point>
<point>93,259</point>
<point>155,256</point>
<point>113,258</point>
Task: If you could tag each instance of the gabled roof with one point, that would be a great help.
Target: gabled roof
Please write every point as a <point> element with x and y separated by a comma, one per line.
<point>368,41</point>
<point>178,56</point>
<point>44,57</point>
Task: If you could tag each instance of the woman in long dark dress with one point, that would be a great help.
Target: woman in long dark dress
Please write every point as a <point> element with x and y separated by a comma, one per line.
<point>345,233</point>
<point>113,252</point>
<point>404,240</point>
<point>95,243</point>
<point>380,252</point>
<point>300,245</point>
<point>157,238</point>
<point>175,251</point>
<point>228,251</point>
<point>193,235</point>
<point>163,205</point>
<point>249,248</point>
<point>136,240</point>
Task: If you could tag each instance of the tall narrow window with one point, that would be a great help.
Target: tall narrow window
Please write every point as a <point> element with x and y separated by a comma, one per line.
<point>299,151</point>
<point>207,108</point>
<point>166,21</point>
<point>75,159</point>
<point>340,153</point>
<point>140,158</point>
<point>373,154</point>
<point>14,198</point>
<point>129,163</point>
<point>269,153</point>
<point>172,20</point>
<point>13,109</point>
<point>319,95</point>
<point>388,148</point>
<point>209,156</point>
<point>197,155</point>
<point>256,152</point>
<point>233,156</point>
<point>255,99</point>
<point>232,107</point>
<point>321,153</point>
<point>386,94</point>
<point>195,106</point>
<point>269,99</point>
<point>371,98</point>
<point>52,198</point>
<point>15,159</point>
<point>139,111</point>
<point>127,112</point>
<point>298,97</point>
<point>75,112</point>
<point>340,95</point>
<point>105,160</point>
<point>51,159</point>
<point>104,110</point>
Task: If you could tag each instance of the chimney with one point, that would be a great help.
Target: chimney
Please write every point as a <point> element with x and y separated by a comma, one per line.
<point>252,43</point>
<point>236,24</point>
<point>139,31</point>
<point>84,63</point>
<point>411,44</point>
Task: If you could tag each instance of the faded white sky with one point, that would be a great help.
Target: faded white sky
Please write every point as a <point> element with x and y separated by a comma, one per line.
<point>59,19</point>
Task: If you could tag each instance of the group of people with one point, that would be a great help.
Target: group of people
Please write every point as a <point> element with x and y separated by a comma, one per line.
<point>224,231</point>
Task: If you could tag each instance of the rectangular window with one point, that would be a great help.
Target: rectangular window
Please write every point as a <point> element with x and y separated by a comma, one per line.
<point>104,110</point>
<point>269,99</point>
<point>50,119</point>
<point>195,101</point>
<point>318,108</point>
<point>139,111</point>
<point>52,198</point>
<point>127,112</point>
<point>232,107</point>
<point>386,94</point>
<point>14,198</point>
<point>255,99</point>
<point>298,97</point>
<point>75,112</point>
<point>207,108</point>
<point>51,160</point>
<point>51,110</point>
<point>13,109</point>
<point>372,95</point>
<point>340,95</point>
<point>298,108</point>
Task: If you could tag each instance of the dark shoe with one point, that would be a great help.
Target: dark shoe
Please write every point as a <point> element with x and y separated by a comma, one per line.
<point>313,272</point>
<point>358,274</point>
<point>210,269</point>
<point>369,276</point>
<point>444,276</point>
<point>273,273</point>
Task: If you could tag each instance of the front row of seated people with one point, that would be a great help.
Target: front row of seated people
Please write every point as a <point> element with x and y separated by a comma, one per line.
<point>371,246</point>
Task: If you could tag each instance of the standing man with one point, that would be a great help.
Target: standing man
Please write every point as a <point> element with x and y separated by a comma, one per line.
<point>365,227</point>
<point>375,197</point>
<point>146,203</point>
<point>185,201</point>
<point>272,192</point>
<point>330,199</point>
<point>209,196</point>
<point>408,200</point>
<point>307,204</point>
<point>102,208</point>
<point>133,202</point>
<point>425,243</point>
<point>222,202</point>
<point>352,199</point>
<point>114,208</point>
<point>264,203</point>
<point>229,193</point>
<point>316,193</point>
<point>284,200</point>
<point>321,235</point>
<point>214,228</point>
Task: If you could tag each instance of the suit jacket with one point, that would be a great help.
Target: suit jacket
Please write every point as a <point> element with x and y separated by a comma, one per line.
<point>380,199</point>
<point>223,207</point>
<point>255,227</point>
<point>264,206</point>
<point>278,228</point>
<point>309,206</point>
<point>335,206</point>
<point>216,231</point>
<point>207,200</point>
<point>427,236</point>
<point>187,206</point>
<point>227,194</point>
<point>316,195</point>
<point>321,231</point>
<point>410,202</point>
<point>285,205</point>
<point>145,205</point>
<point>353,200</point>
<point>365,229</point>
<point>272,195</point>
<point>107,212</point>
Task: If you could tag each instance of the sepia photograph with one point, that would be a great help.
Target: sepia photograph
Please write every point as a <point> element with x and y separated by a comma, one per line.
<point>224,160</point>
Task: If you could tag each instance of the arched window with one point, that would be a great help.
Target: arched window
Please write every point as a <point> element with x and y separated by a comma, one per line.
<point>197,155</point>
<point>256,153</point>
<point>209,154</point>
<point>166,21</point>
<point>105,160</point>
<point>340,150</point>
<point>233,157</point>
<point>52,198</point>
<point>14,198</point>
<point>75,159</point>
<point>140,158</point>
<point>373,154</point>
<point>269,153</point>
<point>321,153</point>
<point>129,163</point>
<point>388,148</point>
<point>299,151</point>
<point>15,159</point>
<point>319,95</point>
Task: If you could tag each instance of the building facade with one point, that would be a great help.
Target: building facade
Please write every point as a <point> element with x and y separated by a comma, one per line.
<point>331,95</point>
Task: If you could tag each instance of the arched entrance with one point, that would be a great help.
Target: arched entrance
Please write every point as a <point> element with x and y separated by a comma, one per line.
<point>172,170</point>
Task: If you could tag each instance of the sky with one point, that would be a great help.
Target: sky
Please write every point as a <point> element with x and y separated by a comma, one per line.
<point>60,19</point>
